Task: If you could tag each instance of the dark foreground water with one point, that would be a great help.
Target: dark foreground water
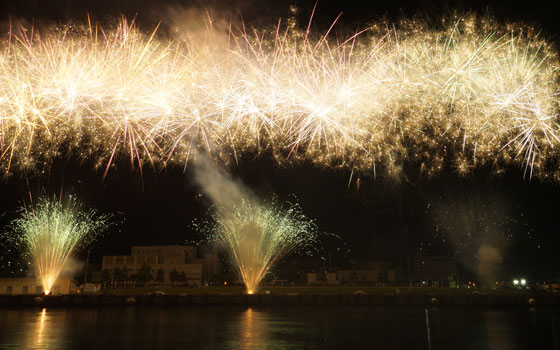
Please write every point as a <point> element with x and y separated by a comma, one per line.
<point>281,328</point>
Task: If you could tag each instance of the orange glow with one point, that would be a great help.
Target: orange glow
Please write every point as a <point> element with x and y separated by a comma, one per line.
<point>40,330</point>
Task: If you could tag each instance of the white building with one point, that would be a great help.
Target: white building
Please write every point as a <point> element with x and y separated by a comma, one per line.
<point>30,285</point>
<point>167,258</point>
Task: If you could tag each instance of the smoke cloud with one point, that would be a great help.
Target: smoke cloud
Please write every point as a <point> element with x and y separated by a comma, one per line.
<point>489,258</point>
<point>220,187</point>
<point>478,226</point>
<point>72,267</point>
<point>196,24</point>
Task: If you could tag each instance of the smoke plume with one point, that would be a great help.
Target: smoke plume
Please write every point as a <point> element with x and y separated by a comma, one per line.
<point>489,258</point>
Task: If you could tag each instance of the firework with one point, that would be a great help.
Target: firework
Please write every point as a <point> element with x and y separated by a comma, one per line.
<point>468,94</point>
<point>50,232</point>
<point>257,236</point>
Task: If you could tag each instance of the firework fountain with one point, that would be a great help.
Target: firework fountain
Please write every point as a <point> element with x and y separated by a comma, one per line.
<point>50,232</point>
<point>470,93</point>
<point>254,233</point>
<point>258,235</point>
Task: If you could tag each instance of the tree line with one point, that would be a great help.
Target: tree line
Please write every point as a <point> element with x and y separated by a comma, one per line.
<point>145,275</point>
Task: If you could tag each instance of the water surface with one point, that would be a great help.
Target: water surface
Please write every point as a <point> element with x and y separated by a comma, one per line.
<point>303,327</point>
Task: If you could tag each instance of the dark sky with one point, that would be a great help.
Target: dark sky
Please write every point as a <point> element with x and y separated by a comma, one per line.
<point>379,220</point>
<point>355,12</point>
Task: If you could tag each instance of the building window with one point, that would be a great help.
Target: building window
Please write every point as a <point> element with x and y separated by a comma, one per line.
<point>38,289</point>
<point>25,290</point>
<point>9,289</point>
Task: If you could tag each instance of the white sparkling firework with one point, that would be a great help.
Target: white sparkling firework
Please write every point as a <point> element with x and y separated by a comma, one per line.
<point>50,232</point>
<point>470,94</point>
<point>257,236</point>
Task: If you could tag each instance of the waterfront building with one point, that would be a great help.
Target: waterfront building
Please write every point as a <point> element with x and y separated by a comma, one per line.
<point>32,285</point>
<point>168,258</point>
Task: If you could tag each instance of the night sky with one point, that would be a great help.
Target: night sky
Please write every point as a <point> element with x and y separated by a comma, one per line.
<point>374,218</point>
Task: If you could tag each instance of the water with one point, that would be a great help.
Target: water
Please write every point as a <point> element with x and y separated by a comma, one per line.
<point>280,328</point>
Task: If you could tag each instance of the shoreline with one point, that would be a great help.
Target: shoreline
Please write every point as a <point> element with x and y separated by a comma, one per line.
<point>201,299</point>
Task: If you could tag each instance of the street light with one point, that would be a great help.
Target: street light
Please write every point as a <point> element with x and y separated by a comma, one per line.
<point>515,282</point>
<point>523,282</point>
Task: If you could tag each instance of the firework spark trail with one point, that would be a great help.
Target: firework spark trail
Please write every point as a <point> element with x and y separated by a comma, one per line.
<point>469,94</point>
<point>50,232</point>
<point>258,235</point>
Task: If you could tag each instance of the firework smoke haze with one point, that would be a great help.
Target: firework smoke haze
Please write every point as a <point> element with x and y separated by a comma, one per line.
<point>489,258</point>
<point>479,225</point>
<point>222,189</point>
<point>469,94</point>
<point>49,232</point>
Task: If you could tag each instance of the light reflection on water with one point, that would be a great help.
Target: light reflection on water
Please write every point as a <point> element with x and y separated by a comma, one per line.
<point>252,330</point>
<point>280,328</point>
<point>38,340</point>
<point>32,329</point>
